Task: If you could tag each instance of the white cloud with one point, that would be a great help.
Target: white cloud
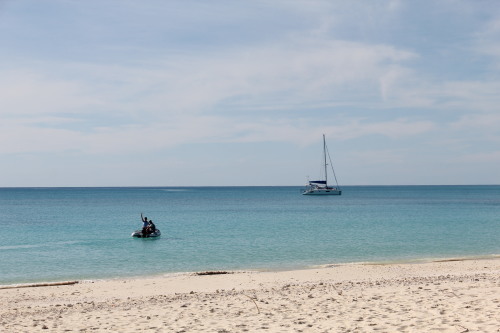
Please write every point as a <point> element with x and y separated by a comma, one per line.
<point>25,92</point>
<point>177,95</point>
<point>491,157</point>
<point>485,123</point>
<point>291,73</point>
<point>378,157</point>
<point>354,71</point>
<point>488,41</point>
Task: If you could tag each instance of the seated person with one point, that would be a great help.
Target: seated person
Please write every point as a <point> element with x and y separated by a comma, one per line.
<point>151,227</point>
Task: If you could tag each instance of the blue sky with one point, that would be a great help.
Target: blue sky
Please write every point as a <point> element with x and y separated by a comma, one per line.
<point>172,93</point>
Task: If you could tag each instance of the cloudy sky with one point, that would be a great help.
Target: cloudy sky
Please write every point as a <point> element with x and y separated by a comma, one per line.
<point>234,92</point>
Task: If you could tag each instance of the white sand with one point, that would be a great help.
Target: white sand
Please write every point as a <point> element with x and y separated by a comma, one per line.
<point>452,296</point>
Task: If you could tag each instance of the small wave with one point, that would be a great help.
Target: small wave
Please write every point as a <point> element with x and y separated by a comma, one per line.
<point>409,261</point>
<point>31,246</point>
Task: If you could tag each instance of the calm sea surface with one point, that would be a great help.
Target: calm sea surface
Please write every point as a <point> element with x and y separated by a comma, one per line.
<point>52,234</point>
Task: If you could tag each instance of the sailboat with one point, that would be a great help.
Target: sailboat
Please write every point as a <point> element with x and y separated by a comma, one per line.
<point>320,187</point>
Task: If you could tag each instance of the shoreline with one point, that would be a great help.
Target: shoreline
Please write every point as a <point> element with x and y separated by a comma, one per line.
<point>284,269</point>
<point>455,295</point>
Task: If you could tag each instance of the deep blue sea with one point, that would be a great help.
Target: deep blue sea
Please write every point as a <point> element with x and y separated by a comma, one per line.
<point>53,234</point>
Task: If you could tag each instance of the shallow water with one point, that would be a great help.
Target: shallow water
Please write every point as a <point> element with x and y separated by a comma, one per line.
<point>84,233</point>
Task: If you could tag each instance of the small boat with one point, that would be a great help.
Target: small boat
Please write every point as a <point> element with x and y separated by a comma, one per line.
<point>320,187</point>
<point>138,234</point>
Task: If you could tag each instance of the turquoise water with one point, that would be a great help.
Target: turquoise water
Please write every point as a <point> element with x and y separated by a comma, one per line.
<point>52,234</point>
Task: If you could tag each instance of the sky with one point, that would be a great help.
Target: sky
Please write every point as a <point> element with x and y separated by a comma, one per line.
<point>234,92</point>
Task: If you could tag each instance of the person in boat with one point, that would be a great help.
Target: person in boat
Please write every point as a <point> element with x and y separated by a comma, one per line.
<point>151,227</point>
<point>145,224</point>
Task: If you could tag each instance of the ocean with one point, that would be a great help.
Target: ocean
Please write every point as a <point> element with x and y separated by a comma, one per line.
<point>56,234</point>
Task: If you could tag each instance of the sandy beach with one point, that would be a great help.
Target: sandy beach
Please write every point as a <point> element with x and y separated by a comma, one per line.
<point>446,296</point>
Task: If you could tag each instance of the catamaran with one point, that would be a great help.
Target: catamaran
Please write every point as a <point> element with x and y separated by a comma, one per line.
<point>320,187</point>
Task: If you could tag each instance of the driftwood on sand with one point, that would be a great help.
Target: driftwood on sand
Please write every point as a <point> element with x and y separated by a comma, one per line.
<point>212,273</point>
<point>51,284</point>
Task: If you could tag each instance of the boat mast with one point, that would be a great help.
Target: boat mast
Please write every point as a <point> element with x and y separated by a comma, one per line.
<point>324,153</point>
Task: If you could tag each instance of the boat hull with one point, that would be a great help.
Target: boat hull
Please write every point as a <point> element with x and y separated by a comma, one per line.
<point>138,234</point>
<point>322,192</point>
